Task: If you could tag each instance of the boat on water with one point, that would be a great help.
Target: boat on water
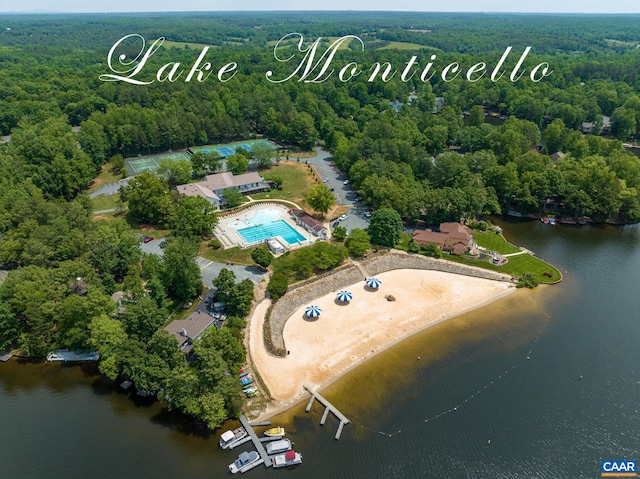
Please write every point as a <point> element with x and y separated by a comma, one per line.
<point>289,458</point>
<point>245,461</point>
<point>274,432</point>
<point>229,438</point>
<point>72,356</point>
<point>279,446</point>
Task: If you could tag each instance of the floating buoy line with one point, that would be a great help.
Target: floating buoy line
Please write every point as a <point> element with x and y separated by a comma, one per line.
<point>457,407</point>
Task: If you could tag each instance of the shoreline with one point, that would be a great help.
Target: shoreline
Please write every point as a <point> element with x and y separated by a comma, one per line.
<point>322,359</point>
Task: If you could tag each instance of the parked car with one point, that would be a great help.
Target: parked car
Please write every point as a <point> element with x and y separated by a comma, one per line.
<point>367,214</point>
<point>326,180</point>
<point>345,182</point>
<point>147,239</point>
<point>163,243</point>
<point>336,223</point>
<point>332,189</point>
<point>343,217</point>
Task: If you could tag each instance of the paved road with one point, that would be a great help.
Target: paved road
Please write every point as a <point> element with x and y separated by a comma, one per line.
<point>345,194</point>
<point>209,269</point>
<point>110,189</point>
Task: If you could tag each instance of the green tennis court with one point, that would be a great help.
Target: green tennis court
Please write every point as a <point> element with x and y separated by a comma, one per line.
<point>151,163</point>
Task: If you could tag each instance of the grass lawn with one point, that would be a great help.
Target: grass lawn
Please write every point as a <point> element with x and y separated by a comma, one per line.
<point>494,242</point>
<point>296,181</point>
<point>104,202</point>
<point>404,46</point>
<point>516,266</point>
<point>403,244</point>
<point>236,255</point>
<point>195,46</point>
<point>150,230</point>
<point>104,178</point>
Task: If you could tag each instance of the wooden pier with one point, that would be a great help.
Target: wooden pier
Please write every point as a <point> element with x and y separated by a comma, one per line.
<point>256,441</point>
<point>328,408</point>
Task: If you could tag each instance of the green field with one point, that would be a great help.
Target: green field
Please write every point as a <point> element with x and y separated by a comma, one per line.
<point>494,242</point>
<point>516,266</point>
<point>195,46</point>
<point>220,255</point>
<point>296,181</point>
<point>105,202</point>
<point>405,46</point>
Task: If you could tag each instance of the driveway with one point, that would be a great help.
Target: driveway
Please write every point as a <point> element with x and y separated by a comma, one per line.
<point>208,268</point>
<point>345,194</point>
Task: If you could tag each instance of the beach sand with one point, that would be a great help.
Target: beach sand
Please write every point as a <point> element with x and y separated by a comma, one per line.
<point>322,349</point>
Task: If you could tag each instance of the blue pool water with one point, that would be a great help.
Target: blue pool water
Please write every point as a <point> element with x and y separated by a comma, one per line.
<point>269,230</point>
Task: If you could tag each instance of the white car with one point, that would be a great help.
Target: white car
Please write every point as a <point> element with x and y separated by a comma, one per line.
<point>343,217</point>
<point>345,182</point>
<point>368,214</point>
<point>326,180</point>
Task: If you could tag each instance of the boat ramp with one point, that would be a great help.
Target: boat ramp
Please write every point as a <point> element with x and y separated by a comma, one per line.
<point>328,408</point>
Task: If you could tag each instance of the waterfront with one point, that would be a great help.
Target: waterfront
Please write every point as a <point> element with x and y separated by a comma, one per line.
<point>541,419</point>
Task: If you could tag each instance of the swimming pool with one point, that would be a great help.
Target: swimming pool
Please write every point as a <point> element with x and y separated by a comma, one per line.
<point>262,232</point>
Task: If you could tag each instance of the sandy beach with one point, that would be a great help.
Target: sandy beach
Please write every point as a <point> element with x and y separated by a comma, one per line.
<point>322,349</point>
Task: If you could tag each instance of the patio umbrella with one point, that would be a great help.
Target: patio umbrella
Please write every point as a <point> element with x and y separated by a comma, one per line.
<point>312,311</point>
<point>373,283</point>
<point>344,296</point>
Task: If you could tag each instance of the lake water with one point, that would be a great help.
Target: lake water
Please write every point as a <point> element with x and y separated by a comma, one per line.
<point>543,384</point>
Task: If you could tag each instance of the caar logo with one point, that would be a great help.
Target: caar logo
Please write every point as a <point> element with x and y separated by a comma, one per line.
<point>618,468</point>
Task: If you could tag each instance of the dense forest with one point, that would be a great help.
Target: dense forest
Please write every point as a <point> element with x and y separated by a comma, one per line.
<point>435,157</point>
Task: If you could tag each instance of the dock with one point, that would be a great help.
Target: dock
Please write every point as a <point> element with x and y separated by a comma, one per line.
<point>72,356</point>
<point>328,408</point>
<point>5,356</point>
<point>256,441</point>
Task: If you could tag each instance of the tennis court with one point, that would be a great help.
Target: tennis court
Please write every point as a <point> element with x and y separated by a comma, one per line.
<point>151,163</point>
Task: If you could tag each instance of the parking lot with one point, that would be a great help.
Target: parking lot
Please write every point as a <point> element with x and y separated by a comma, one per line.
<point>345,194</point>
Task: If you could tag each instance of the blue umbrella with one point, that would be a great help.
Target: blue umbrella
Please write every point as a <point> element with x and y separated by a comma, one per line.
<point>344,296</point>
<point>373,283</point>
<point>312,311</point>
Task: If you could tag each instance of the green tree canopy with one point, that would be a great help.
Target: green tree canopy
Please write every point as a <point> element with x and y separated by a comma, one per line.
<point>385,227</point>
<point>358,242</point>
<point>320,198</point>
<point>237,163</point>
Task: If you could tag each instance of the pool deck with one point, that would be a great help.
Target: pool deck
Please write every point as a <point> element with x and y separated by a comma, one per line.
<point>229,236</point>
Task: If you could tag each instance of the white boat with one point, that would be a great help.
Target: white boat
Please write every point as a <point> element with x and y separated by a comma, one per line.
<point>289,458</point>
<point>228,438</point>
<point>245,461</point>
<point>276,447</point>
<point>274,432</point>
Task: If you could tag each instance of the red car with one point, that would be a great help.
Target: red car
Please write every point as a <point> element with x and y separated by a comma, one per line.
<point>147,239</point>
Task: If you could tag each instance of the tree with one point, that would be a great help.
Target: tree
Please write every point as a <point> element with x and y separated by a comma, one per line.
<point>385,227</point>
<point>195,216</point>
<point>262,256</point>
<point>358,242</point>
<point>240,298</point>
<point>302,131</point>
<point>148,200</point>
<point>175,172</point>
<point>224,283</point>
<point>262,155</point>
<point>476,115</point>
<point>232,197</point>
<point>278,285</point>
<point>203,163</point>
<point>10,327</point>
<point>180,271</point>
<point>108,337</point>
<point>237,163</point>
<point>141,320</point>
<point>431,249</point>
<point>623,123</point>
<point>320,198</point>
<point>339,233</point>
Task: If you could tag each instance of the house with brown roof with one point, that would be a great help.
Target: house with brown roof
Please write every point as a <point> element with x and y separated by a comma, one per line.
<point>309,223</point>
<point>186,331</point>
<point>212,186</point>
<point>453,238</point>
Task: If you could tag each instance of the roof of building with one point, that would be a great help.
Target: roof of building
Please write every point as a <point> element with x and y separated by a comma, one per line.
<point>221,181</point>
<point>196,189</point>
<point>428,236</point>
<point>308,220</point>
<point>192,327</point>
<point>556,156</point>
<point>456,230</point>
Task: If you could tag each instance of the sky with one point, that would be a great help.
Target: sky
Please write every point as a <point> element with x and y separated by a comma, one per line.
<point>101,6</point>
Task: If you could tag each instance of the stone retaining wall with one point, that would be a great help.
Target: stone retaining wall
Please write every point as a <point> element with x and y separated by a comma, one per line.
<point>297,297</point>
<point>334,281</point>
<point>379,263</point>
